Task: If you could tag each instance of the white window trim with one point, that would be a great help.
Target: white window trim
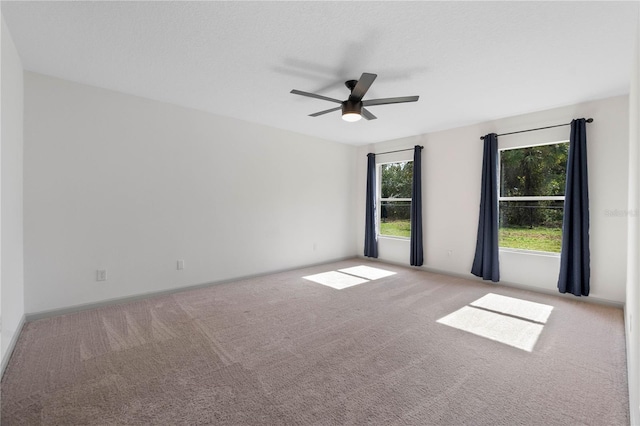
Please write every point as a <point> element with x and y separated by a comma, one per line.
<point>528,252</point>
<point>534,198</point>
<point>395,199</point>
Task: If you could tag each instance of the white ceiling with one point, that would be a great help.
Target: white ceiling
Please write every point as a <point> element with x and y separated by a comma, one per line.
<point>469,61</point>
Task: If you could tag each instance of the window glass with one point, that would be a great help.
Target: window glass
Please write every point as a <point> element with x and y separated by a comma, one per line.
<point>532,184</point>
<point>531,225</point>
<point>395,199</point>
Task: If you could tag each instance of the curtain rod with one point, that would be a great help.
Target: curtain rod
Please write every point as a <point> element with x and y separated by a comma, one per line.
<point>589,120</point>
<point>399,150</point>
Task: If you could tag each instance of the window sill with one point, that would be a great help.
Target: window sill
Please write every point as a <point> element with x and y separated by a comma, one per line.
<point>529,252</point>
<point>392,237</point>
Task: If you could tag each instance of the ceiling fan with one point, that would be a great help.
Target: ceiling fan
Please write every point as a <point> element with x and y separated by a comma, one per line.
<point>354,108</point>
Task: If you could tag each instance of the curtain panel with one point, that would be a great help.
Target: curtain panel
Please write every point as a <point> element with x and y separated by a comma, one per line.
<point>417,252</point>
<point>370,239</point>
<point>575,271</point>
<point>486,260</point>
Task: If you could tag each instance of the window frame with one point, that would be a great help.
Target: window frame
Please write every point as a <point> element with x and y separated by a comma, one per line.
<point>380,199</point>
<point>525,198</point>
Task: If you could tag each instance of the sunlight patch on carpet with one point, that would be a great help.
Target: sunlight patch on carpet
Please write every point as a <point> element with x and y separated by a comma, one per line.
<point>514,322</point>
<point>367,272</point>
<point>348,277</point>
<point>537,312</point>
<point>335,279</point>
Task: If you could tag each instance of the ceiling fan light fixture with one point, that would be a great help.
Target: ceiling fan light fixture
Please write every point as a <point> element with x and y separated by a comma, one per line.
<point>351,116</point>
<point>351,111</point>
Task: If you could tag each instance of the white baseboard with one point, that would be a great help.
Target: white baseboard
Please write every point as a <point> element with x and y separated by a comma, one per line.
<point>34,316</point>
<point>12,346</point>
<point>471,277</point>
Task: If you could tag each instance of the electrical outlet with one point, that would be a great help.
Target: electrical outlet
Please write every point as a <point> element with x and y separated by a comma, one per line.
<point>180,264</point>
<point>101,275</point>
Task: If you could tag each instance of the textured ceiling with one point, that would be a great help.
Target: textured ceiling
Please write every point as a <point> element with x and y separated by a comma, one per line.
<point>469,61</point>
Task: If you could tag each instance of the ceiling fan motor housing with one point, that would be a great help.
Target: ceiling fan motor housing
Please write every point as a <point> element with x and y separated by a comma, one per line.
<point>350,107</point>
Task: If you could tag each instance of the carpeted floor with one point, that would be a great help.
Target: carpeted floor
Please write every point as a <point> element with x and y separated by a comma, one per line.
<point>287,350</point>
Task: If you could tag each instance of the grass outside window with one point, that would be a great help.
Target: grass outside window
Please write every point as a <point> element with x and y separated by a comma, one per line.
<point>523,238</point>
<point>536,238</point>
<point>396,228</point>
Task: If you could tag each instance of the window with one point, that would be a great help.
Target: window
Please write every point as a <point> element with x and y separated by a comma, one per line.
<point>395,199</point>
<point>531,202</point>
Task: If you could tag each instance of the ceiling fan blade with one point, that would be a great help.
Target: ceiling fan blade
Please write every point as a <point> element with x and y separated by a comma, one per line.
<point>386,101</point>
<point>313,95</point>
<point>315,114</point>
<point>367,114</point>
<point>361,87</point>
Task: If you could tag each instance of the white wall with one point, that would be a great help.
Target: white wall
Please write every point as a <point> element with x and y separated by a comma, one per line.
<point>632,305</point>
<point>131,185</point>
<point>11,220</point>
<point>452,162</point>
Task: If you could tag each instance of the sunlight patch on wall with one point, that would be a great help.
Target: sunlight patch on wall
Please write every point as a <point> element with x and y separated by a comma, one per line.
<point>349,277</point>
<point>514,322</point>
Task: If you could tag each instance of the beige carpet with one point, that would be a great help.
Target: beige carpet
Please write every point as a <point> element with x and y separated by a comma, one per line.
<point>287,350</point>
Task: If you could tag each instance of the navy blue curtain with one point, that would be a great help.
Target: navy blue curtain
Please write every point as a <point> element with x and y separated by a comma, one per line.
<point>485,262</point>
<point>575,270</point>
<point>370,240</point>
<point>417,255</point>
